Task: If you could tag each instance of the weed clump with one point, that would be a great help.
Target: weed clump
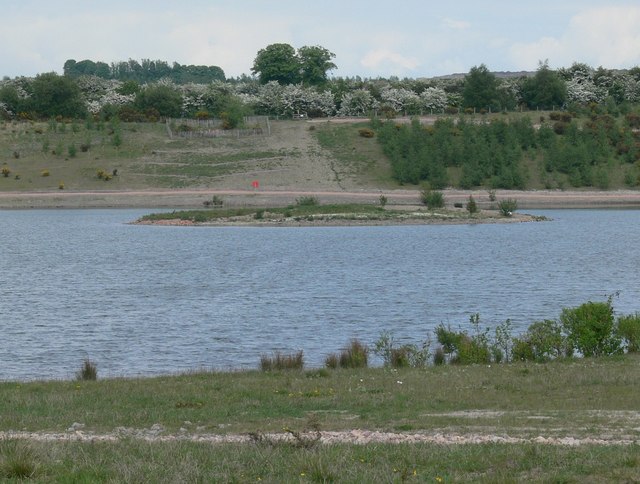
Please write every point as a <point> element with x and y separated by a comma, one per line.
<point>17,460</point>
<point>281,361</point>
<point>88,371</point>
<point>356,355</point>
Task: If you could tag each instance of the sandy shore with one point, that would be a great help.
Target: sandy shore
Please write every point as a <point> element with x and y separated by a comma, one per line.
<point>264,198</point>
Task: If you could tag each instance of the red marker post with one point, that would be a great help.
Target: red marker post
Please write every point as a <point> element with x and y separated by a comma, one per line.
<point>255,184</point>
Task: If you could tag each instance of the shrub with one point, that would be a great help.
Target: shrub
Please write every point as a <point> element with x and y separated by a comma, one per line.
<point>61,186</point>
<point>6,171</point>
<point>407,355</point>
<point>366,133</point>
<point>590,328</point>
<point>508,206</point>
<point>542,341</point>
<point>280,361</point>
<point>88,371</point>
<point>383,200</point>
<point>215,201</point>
<point>432,199</point>
<point>492,195</point>
<point>307,201</point>
<point>84,147</point>
<point>462,348</point>
<point>472,206</point>
<point>629,330</point>
<point>72,150</point>
<point>45,173</point>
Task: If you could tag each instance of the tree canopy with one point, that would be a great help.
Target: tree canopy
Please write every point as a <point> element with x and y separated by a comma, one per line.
<point>143,72</point>
<point>480,89</point>
<point>545,90</point>
<point>281,63</point>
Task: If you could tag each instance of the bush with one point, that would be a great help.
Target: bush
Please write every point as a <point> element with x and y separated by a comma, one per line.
<point>462,348</point>
<point>590,329</point>
<point>45,173</point>
<point>6,171</point>
<point>88,371</point>
<point>472,206</point>
<point>366,133</point>
<point>629,330</point>
<point>309,201</point>
<point>407,355</point>
<point>542,341</point>
<point>432,199</point>
<point>507,206</point>
<point>282,362</point>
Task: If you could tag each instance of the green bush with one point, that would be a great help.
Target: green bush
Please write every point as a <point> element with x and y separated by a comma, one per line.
<point>629,330</point>
<point>508,206</point>
<point>460,348</point>
<point>307,201</point>
<point>472,206</point>
<point>542,341</point>
<point>404,356</point>
<point>590,329</point>
<point>432,199</point>
<point>366,133</point>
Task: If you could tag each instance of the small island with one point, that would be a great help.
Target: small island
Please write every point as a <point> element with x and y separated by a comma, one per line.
<point>311,213</point>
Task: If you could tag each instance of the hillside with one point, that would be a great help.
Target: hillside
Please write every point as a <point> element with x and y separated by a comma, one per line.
<point>140,164</point>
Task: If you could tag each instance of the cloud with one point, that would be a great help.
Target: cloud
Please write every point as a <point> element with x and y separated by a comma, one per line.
<point>607,36</point>
<point>455,24</point>
<point>375,59</point>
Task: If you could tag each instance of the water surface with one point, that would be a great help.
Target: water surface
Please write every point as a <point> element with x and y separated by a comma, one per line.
<point>149,300</point>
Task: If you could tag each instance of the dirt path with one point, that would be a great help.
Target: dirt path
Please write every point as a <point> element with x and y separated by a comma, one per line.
<point>194,198</point>
<point>359,437</point>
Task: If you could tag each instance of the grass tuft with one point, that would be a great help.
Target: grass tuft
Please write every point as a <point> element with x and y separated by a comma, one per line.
<point>88,371</point>
<point>281,361</point>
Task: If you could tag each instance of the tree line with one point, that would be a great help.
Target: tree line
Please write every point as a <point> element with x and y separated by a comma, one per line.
<point>287,81</point>
<point>145,71</point>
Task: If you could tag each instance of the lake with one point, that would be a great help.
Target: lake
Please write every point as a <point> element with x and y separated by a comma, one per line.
<point>145,300</point>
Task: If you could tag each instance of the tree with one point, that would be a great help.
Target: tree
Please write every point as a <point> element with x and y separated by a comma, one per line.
<point>166,100</point>
<point>315,62</point>
<point>480,89</point>
<point>545,89</point>
<point>277,62</point>
<point>55,95</point>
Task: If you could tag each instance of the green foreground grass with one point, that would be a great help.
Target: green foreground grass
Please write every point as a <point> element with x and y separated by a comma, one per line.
<point>580,398</point>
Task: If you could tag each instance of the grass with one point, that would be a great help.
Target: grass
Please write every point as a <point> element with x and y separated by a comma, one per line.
<point>578,398</point>
<point>145,156</point>
<point>132,461</point>
<point>355,155</point>
<point>568,393</point>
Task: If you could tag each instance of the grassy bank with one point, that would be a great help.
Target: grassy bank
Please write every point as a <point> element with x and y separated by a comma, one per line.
<point>579,398</point>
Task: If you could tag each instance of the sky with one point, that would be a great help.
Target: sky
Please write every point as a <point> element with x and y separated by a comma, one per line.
<point>370,38</point>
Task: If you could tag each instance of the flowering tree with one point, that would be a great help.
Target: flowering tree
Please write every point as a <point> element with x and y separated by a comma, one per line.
<point>400,100</point>
<point>359,102</point>
<point>433,99</point>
